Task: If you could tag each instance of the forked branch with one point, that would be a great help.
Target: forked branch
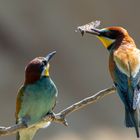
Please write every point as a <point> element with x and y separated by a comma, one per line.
<point>61,116</point>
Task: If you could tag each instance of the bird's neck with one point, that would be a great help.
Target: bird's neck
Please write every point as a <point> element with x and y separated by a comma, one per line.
<point>32,79</point>
<point>124,41</point>
<point>128,40</point>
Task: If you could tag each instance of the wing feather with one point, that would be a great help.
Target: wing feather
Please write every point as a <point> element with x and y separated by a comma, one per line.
<point>128,62</point>
<point>19,101</point>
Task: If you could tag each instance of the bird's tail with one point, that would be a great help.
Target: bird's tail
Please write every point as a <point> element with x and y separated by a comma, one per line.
<point>26,134</point>
<point>132,119</point>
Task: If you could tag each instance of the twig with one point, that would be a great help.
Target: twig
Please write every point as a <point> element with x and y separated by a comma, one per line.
<point>61,116</point>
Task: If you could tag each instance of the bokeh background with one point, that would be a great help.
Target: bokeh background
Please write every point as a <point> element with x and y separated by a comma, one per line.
<point>30,28</point>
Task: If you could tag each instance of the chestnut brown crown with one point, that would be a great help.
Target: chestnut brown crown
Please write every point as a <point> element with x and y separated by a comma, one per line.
<point>37,68</point>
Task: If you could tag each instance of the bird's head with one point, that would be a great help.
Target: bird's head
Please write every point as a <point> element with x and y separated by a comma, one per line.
<point>37,68</point>
<point>108,35</point>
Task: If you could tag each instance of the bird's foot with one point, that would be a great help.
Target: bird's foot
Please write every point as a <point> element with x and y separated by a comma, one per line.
<point>25,121</point>
<point>61,119</point>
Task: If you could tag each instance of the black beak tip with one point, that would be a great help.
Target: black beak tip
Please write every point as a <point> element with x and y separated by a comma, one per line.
<point>54,52</point>
<point>50,55</point>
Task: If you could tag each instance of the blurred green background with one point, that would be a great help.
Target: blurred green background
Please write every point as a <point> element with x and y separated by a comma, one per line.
<point>30,28</point>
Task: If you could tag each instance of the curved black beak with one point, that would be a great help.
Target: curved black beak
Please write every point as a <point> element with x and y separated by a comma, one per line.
<point>50,55</point>
<point>89,30</point>
<point>93,31</point>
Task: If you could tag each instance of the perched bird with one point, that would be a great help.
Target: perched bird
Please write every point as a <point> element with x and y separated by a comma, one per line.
<point>36,97</point>
<point>124,66</point>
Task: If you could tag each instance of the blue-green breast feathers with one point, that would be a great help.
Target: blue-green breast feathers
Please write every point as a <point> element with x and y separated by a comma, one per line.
<point>36,100</point>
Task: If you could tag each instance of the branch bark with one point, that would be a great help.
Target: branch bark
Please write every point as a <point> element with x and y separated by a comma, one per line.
<point>61,116</point>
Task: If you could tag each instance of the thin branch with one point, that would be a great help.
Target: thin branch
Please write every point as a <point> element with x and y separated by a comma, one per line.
<point>61,116</point>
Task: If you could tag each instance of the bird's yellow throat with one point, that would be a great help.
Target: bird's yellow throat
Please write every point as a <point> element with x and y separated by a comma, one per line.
<point>47,70</point>
<point>106,41</point>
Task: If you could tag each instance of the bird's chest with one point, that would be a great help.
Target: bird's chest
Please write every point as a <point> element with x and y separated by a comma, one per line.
<point>38,97</point>
<point>38,100</point>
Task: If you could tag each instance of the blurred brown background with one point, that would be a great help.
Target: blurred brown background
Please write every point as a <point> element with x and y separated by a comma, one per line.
<point>30,28</point>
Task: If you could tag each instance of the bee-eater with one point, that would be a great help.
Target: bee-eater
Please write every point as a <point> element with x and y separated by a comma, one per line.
<point>37,96</point>
<point>124,66</point>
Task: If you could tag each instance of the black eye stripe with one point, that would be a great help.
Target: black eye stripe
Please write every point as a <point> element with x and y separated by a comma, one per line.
<point>110,34</point>
<point>44,62</point>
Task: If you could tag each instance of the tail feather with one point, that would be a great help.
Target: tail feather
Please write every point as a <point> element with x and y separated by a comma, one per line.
<point>17,136</point>
<point>132,120</point>
<point>128,119</point>
<point>26,134</point>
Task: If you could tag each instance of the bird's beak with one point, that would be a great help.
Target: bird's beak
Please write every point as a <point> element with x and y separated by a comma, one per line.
<point>89,30</point>
<point>93,31</point>
<point>50,55</point>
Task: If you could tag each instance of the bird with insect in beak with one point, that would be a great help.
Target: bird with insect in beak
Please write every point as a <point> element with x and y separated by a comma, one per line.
<point>124,66</point>
<point>36,97</point>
